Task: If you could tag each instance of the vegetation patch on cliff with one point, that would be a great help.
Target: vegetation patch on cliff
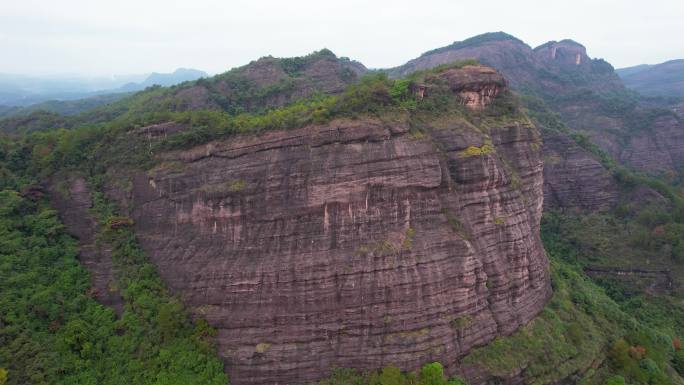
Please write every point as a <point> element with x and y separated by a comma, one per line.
<point>477,151</point>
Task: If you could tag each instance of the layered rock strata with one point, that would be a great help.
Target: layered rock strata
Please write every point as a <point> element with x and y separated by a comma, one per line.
<point>573,178</point>
<point>351,244</point>
<point>475,86</point>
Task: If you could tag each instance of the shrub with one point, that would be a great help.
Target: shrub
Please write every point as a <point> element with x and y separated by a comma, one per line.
<point>119,222</point>
<point>391,375</point>
<point>477,151</point>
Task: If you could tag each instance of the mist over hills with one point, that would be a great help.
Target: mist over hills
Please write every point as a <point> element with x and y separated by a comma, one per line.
<point>22,90</point>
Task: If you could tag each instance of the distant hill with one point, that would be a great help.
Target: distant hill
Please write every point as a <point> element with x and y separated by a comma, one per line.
<point>166,80</point>
<point>62,107</point>
<point>23,90</point>
<point>664,79</point>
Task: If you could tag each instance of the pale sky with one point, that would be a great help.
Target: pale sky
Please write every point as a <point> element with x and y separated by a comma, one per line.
<point>96,37</point>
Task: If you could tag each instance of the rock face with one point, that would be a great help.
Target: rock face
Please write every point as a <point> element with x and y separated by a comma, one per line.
<point>573,178</point>
<point>659,149</point>
<point>351,244</point>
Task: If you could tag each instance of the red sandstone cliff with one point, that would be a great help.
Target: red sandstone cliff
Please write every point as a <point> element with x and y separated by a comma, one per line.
<point>357,243</point>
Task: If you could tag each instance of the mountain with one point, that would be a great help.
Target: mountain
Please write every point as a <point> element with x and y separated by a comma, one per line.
<point>664,79</point>
<point>260,85</point>
<point>296,215</point>
<point>552,67</point>
<point>268,82</point>
<point>586,92</point>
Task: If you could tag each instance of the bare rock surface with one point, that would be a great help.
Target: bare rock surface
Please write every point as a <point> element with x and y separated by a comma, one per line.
<point>573,178</point>
<point>71,197</point>
<point>476,86</point>
<point>351,244</point>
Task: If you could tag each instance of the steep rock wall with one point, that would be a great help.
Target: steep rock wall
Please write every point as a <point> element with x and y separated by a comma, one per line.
<point>352,244</point>
<point>573,179</point>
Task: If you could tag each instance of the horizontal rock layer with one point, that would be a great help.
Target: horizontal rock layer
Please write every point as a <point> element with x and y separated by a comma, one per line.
<point>475,85</point>
<point>353,244</point>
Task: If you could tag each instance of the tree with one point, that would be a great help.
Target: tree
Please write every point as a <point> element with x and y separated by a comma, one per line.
<point>432,374</point>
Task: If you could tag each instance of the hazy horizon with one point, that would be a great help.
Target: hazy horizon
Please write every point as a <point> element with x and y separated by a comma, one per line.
<point>79,37</point>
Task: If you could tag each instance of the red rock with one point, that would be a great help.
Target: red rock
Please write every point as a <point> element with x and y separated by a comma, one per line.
<point>340,248</point>
<point>349,244</point>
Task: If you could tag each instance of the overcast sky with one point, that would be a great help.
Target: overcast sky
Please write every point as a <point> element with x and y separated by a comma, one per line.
<point>96,37</point>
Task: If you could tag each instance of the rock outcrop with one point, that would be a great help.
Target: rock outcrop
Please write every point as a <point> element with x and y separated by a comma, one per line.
<point>351,244</point>
<point>475,86</point>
